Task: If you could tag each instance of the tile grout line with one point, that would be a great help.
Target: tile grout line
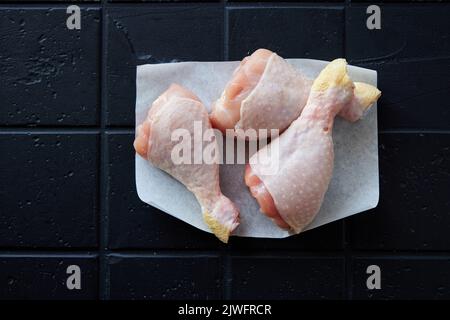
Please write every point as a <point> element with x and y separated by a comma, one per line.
<point>103,170</point>
<point>238,253</point>
<point>60,253</point>
<point>348,258</point>
<point>286,5</point>
<point>30,4</point>
<point>260,254</point>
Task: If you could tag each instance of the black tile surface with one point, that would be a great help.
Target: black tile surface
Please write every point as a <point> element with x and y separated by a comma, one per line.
<point>411,53</point>
<point>133,223</point>
<point>403,278</point>
<point>64,191</point>
<point>287,277</point>
<point>50,74</point>
<point>154,35</point>
<point>414,202</point>
<point>155,277</point>
<point>291,32</point>
<point>48,190</point>
<point>328,237</point>
<point>401,35</point>
<point>45,277</point>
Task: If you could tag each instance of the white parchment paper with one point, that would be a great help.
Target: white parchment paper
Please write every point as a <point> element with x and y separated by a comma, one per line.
<point>354,187</point>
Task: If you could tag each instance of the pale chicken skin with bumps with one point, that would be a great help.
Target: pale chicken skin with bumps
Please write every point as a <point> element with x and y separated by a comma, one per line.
<point>266,92</point>
<point>292,194</point>
<point>179,108</point>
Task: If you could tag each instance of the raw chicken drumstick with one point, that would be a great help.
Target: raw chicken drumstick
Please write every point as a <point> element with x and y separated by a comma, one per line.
<point>266,92</point>
<point>178,108</point>
<point>292,195</point>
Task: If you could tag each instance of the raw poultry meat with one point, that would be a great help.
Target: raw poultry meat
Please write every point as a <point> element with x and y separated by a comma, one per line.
<point>292,195</point>
<point>266,92</point>
<point>179,108</point>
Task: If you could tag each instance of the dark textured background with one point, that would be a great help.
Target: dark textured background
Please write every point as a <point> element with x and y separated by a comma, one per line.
<point>67,187</point>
